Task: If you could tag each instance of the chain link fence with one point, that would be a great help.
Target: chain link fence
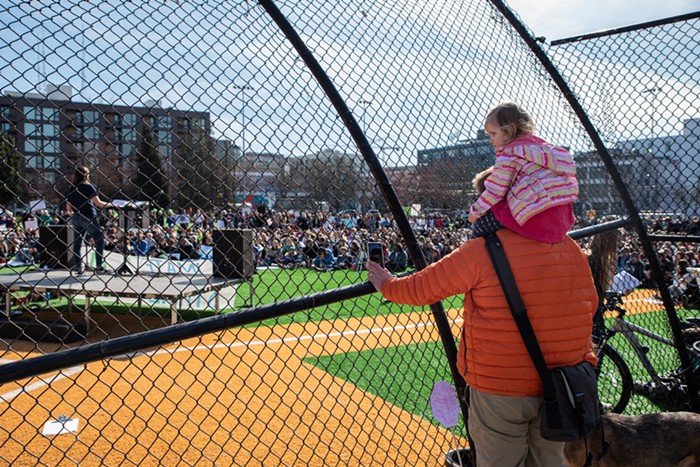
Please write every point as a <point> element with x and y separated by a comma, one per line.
<point>640,89</point>
<point>233,324</point>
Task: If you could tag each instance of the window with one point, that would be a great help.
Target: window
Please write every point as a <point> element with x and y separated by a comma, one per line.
<point>50,177</point>
<point>42,162</point>
<point>32,145</point>
<point>125,149</point>
<point>48,130</point>
<point>31,129</point>
<point>164,121</point>
<point>91,116</point>
<point>51,162</point>
<point>91,132</point>
<point>129,119</point>
<point>126,119</point>
<point>125,134</point>
<point>164,136</point>
<point>41,114</point>
<point>32,161</point>
<point>91,148</point>
<point>50,146</point>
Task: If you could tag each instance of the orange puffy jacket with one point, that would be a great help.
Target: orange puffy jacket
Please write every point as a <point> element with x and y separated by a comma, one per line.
<point>556,286</point>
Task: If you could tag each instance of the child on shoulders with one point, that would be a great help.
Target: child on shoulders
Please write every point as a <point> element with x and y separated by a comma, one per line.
<point>532,186</point>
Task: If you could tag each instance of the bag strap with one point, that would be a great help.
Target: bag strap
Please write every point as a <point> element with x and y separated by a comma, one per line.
<point>517,308</point>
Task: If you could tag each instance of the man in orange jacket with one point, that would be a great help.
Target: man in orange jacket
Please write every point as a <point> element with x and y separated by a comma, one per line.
<point>556,286</point>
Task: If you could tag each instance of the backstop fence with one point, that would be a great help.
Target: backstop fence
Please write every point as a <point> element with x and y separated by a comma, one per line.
<point>248,152</point>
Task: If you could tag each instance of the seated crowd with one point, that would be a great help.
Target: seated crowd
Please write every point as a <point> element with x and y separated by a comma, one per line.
<point>328,241</point>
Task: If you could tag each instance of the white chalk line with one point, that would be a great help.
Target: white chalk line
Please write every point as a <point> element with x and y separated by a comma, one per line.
<point>7,397</point>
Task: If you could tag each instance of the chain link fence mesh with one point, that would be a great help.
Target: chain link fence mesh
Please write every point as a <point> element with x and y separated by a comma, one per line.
<point>639,86</point>
<point>241,187</point>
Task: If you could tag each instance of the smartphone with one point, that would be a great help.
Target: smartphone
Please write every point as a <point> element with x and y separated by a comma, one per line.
<point>375,252</point>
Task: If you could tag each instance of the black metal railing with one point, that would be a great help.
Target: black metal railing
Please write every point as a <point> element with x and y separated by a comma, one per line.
<point>253,150</point>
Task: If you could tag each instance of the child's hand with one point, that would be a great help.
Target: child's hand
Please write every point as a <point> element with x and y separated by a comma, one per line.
<point>472,217</point>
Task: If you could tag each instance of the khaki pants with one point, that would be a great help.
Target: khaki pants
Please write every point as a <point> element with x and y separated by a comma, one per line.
<point>506,432</point>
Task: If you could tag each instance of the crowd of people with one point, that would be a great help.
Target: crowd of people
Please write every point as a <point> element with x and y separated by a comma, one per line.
<point>525,206</point>
<point>328,241</point>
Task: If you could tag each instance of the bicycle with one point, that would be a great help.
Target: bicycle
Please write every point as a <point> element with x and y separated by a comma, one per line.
<point>615,382</point>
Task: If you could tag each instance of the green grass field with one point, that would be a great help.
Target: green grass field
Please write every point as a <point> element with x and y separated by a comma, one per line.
<point>385,372</point>
<point>664,358</point>
<point>430,364</point>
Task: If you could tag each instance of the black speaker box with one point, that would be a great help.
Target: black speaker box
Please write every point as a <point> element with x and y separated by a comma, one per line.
<point>233,256</point>
<point>57,246</point>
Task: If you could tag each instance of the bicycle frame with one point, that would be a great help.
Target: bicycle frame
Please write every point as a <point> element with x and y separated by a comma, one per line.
<point>628,331</point>
<point>667,390</point>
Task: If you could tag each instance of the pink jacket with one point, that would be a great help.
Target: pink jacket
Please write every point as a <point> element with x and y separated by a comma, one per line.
<point>532,175</point>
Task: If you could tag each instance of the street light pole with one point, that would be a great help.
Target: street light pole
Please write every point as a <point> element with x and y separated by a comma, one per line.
<point>364,103</point>
<point>653,91</point>
<point>242,89</point>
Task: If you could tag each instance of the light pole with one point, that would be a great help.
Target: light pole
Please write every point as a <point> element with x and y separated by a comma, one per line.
<point>242,89</point>
<point>653,91</point>
<point>364,103</point>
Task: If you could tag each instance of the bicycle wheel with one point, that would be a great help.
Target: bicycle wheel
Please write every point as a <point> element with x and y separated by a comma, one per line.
<point>614,381</point>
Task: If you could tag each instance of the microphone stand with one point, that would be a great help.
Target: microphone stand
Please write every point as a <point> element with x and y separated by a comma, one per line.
<point>124,269</point>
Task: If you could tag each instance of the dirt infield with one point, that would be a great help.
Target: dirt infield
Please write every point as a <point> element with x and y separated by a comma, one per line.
<point>640,301</point>
<point>239,397</point>
<point>296,415</point>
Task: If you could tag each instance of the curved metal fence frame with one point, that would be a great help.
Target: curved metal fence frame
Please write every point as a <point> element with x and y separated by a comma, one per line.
<point>66,358</point>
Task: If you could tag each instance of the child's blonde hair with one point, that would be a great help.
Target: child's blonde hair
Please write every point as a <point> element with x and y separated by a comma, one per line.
<point>512,119</point>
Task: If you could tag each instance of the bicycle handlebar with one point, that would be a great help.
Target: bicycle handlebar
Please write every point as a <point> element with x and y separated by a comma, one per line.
<point>612,302</point>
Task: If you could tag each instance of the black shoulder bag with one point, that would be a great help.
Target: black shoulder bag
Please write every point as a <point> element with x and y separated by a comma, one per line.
<point>571,408</point>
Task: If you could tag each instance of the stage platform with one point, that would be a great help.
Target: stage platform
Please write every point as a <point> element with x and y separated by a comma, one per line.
<point>169,287</point>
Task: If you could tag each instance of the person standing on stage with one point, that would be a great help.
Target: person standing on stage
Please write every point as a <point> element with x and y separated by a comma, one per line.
<point>82,203</point>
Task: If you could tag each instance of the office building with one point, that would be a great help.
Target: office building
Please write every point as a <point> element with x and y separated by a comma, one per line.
<point>53,133</point>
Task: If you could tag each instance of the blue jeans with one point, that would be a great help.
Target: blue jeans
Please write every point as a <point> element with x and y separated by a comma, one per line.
<point>81,226</point>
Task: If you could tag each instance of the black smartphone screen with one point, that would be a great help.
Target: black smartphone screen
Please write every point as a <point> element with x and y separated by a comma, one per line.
<point>375,252</point>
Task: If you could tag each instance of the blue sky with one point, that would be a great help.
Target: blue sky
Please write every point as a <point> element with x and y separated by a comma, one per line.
<point>557,19</point>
